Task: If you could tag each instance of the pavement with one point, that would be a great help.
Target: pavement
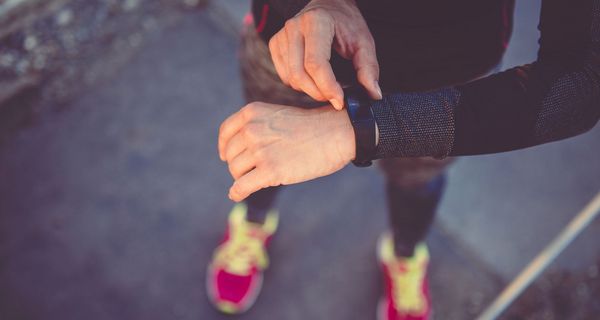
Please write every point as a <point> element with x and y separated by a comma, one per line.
<point>110,209</point>
<point>507,207</point>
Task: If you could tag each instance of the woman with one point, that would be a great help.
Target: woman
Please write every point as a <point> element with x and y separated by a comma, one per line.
<point>436,103</point>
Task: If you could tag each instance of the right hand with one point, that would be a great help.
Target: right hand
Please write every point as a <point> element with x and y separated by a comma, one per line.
<point>301,50</point>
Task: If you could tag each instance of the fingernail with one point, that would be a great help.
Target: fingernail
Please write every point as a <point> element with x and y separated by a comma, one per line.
<point>336,104</point>
<point>380,94</point>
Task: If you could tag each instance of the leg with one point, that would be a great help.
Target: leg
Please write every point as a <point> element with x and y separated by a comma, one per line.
<point>259,204</point>
<point>236,271</point>
<point>414,189</point>
<point>261,83</point>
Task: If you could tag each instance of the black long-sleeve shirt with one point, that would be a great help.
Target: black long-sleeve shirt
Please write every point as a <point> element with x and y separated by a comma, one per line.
<point>428,49</point>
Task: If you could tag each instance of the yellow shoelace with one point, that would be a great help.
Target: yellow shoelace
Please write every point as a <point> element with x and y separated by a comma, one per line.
<point>406,292</point>
<point>243,250</point>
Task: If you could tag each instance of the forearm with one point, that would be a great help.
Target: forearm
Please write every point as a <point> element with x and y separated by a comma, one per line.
<point>463,121</point>
<point>556,97</point>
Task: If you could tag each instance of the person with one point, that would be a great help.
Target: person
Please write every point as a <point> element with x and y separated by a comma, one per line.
<point>428,99</point>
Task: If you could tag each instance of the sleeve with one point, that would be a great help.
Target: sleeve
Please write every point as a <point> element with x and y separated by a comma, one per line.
<point>553,98</point>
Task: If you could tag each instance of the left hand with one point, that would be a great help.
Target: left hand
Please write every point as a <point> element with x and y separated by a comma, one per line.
<point>269,145</point>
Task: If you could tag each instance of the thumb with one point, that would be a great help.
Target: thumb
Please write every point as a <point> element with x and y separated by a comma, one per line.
<point>367,70</point>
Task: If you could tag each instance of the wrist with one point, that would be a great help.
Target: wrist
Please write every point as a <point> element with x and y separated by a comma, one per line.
<point>343,134</point>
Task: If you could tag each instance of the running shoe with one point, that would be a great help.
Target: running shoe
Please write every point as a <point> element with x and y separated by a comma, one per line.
<point>406,295</point>
<point>235,274</point>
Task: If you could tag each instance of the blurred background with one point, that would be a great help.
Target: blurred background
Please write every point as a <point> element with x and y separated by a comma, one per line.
<point>112,196</point>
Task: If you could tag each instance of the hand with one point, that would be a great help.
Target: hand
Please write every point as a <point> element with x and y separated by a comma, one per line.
<point>301,50</point>
<point>269,145</point>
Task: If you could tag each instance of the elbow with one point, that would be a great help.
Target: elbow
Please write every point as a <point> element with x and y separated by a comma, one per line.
<point>593,120</point>
<point>586,121</point>
<point>588,125</point>
<point>567,121</point>
<point>572,106</point>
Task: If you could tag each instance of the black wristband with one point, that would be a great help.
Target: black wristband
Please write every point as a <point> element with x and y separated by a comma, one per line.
<point>358,105</point>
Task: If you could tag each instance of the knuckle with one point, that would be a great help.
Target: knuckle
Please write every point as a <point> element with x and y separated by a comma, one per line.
<point>298,78</point>
<point>290,24</point>
<point>322,17</point>
<point>273,42</point>
<point>260,156</point>
<point>246,135</point>
<point>250,110</point>
<point>251,105</point>
<point>294,80</point>
<point>313,15</point>
<point>308,16</point>
<point>229,154</point>
<point>312,65</point>
<point>366,46</point>
<point>367,40</point>
<point>366,68</point>
<point>250,135</point>
<point>232,170</point>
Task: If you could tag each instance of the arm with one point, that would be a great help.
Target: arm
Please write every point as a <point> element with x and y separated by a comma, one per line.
<point>555,97</point>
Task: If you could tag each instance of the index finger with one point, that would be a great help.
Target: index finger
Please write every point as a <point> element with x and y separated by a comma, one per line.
<point>367,69</point>
<point>318,42</point>
<point>228,129</point>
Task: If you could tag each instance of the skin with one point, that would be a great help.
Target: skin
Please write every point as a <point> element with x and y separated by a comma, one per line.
<point>301,50</point>
<point>269,145</point>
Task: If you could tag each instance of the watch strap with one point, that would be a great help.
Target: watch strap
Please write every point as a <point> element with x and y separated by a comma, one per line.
<point>358,106</point>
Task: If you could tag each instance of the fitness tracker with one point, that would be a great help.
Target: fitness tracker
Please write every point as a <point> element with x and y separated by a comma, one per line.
<point>358,105</point>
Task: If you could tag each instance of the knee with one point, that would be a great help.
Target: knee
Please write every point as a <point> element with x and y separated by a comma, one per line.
<point>412,173</point>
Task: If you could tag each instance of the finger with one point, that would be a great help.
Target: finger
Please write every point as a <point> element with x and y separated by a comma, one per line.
<point>282,44</point>
<point>248,184</point>
<point>234,147</point>
<point>316,62</point>
<point>299,79</point>
<point>241,165</point>
<point>367,69</point>
<point>278,61</point>
<point>228,129</point>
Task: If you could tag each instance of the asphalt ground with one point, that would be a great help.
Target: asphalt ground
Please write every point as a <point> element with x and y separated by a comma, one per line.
<point>112,207</point>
